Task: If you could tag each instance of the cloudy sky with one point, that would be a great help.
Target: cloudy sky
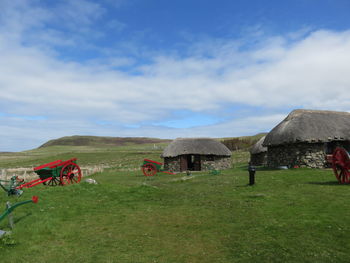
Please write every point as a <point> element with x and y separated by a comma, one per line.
<point>167,69</point>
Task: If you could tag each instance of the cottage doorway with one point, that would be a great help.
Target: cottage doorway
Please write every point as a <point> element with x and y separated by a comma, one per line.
<point>194,162</point>
<point>183,163</point>
<point>190,162</point>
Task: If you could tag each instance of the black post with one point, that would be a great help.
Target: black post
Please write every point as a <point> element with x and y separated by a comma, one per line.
<point>251,170</point>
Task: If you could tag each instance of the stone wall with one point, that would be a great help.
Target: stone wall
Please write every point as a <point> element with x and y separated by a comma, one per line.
<point>258,159</point>
<point>215,162</point>
<point>299,154</point>
<point>172,164</point>
<point>208,162</point>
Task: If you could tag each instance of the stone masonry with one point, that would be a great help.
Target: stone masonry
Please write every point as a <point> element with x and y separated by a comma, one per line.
<point>219,163</point>
<point>208,162</point>
<point>172,164</point>
<point>301,154</point>
<point>259,159</point>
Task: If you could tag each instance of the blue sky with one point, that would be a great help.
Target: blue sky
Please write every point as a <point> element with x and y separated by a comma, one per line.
<point>167,69</point>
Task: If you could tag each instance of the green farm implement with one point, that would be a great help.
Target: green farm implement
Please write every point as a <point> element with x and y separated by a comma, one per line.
<point>11,187</point>
<point>10,208</point>
<point>150,168</point>
<point>53,173</point>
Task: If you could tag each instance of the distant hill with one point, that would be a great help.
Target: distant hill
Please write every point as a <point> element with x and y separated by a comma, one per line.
<point>101,141</point>
<point>233,143</point>
<point>252,137</point>
<point>241,143</point>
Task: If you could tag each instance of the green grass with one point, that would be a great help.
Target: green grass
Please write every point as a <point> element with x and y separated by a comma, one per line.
<point>299,215</point>
<point>123,156</point>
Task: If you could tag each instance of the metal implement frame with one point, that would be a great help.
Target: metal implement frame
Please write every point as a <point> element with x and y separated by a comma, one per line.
<point>11,186</point>
<point>9,209</point>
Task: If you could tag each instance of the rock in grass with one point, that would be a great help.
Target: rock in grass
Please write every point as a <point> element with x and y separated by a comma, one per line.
<point>90,181</point>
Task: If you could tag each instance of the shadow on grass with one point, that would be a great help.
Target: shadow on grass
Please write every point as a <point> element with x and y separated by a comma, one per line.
<point>244,185</point>
<point>244,167</point>
<point>327,183</point>
<point>18,219</point>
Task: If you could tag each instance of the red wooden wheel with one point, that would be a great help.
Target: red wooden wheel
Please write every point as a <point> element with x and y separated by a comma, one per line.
<point>70,174</point>
<point>53,182</point>
<point>149,169</point>
<point>340,165</point>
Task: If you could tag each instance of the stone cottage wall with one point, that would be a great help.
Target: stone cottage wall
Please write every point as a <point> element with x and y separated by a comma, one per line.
<point>258,159</point>
<point>208,162</point>
<point>172,164</point>
<point>300,154</point>
<point>213,162</point>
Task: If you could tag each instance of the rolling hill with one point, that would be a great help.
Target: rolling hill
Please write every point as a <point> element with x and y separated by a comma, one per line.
<point>99,141</point>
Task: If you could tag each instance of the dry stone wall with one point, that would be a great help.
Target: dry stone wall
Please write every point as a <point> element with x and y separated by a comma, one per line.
<point>215,163</point>
<point>208,162</point>
<point>172,164</point>
<point>301,154</point>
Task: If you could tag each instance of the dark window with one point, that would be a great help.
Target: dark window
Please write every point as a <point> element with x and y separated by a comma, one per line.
<point>330,146</point>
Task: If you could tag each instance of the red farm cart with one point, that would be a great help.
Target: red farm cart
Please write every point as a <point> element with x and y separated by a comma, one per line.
<point>340,162</point>
<point>150,167</point>
<point>56,173</point>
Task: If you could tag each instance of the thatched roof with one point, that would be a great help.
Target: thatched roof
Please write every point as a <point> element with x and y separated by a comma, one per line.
<point>203,146</point>
<point>258,146</point>
<point>310,126</point>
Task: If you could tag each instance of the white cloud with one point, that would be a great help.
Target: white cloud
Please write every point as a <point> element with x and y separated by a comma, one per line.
<point>304,70</point>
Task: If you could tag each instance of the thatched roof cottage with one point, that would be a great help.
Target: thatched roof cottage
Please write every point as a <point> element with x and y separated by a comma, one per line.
<point>304,138</point>
<point>196,154</point>
<point>258,153</point>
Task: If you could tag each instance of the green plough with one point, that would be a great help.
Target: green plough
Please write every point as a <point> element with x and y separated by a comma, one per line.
<point>9,209</point>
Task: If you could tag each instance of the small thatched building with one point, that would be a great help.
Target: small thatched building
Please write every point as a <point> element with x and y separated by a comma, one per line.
<point>304,138</point>
<point>196,154</point>
<point>258,153</point>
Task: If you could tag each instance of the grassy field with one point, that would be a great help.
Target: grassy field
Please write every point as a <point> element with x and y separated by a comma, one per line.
<point>118,157</point>
<point>299,215</point>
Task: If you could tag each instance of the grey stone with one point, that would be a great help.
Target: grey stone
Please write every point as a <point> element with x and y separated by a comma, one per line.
<point>90,181</point>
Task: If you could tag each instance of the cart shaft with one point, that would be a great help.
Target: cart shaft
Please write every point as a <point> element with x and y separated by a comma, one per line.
<point>33,183</point>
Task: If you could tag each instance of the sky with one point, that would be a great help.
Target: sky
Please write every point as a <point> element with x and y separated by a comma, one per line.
<point>167,69</point>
